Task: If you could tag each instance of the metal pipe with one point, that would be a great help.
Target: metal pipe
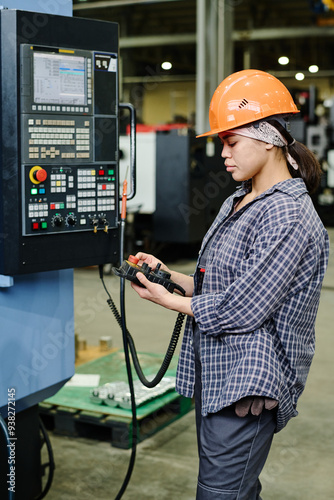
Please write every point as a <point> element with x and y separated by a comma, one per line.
<point>200,66</point>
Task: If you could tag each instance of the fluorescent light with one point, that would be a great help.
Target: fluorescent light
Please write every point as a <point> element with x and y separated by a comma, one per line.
<point>166,65</point>
<point>299,76</point>
<point>283,60</point>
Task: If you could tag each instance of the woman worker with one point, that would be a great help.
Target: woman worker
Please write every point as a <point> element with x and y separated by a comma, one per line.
<point>252,302</point>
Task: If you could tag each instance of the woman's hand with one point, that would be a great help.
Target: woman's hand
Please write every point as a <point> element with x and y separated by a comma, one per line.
<point>151,261</point>
<point>159,295</point>
<point>186,282</point>
<point>153,291</point>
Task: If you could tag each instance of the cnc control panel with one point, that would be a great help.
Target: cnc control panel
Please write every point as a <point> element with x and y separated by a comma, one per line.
<point>69,199</point>
<point>59,180</point>
<point>64,188</point>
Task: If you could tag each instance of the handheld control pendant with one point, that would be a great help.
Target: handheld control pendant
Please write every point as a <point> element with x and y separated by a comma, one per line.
<point>130,268</point>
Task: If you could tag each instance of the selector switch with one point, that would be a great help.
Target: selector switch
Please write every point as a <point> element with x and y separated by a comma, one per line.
<point>57,220</point>
<point>162,274</point>
<point>70,220</point>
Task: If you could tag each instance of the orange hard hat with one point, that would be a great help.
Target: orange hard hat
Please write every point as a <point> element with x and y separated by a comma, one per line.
<point>245,97</point>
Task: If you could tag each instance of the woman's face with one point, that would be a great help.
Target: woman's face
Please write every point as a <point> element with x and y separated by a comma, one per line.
<point>245,158</point>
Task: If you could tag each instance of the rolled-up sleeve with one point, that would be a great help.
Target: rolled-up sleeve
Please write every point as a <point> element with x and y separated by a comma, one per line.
<point>263,280</point>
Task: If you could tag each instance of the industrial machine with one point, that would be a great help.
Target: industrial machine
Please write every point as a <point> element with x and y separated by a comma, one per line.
<point>314,128</point>
<point>59,207</point>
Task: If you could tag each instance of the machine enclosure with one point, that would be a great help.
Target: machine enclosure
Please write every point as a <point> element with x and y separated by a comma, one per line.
<point>191,184</point>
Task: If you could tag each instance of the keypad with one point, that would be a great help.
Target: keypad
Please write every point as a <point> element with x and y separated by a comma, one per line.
<point>57,140</point>
<point>86,192</point>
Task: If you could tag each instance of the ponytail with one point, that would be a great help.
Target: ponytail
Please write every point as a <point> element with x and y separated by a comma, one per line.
<point>309,168</point>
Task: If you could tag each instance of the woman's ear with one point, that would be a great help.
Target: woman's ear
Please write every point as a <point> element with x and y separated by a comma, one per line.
<point>269,146</point>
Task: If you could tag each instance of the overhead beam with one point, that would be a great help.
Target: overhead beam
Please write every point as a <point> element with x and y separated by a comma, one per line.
<point>157,40</point>
<point>105,4</point>
<point>325,73</point>
<point>237,36</point>
<point>159,78</point>
<point>280,33</point>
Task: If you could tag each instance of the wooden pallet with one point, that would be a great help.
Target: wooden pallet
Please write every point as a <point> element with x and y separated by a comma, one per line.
<point>70,411</point>
<point>116,428</point>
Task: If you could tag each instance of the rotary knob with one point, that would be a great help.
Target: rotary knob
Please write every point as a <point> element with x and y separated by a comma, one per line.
<point>70,220</point>
<point>57,220</point>
<point>162,274</point>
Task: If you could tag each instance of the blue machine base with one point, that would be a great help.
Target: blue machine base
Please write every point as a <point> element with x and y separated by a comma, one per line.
<point>36,337</point>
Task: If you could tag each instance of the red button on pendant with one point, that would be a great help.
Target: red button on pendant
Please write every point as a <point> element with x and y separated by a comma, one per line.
<point>133,259</point>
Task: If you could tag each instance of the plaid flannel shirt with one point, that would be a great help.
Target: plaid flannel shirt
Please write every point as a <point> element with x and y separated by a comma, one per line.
<point>259,300</point>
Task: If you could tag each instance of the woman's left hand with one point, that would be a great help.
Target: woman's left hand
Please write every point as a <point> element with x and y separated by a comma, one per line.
<point>153,291</point>
<point>159,295</point>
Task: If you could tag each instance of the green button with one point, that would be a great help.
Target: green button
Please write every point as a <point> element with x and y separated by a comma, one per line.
<point>33,191</point>
<point>110,172</point>
<point>44,225</point>
<point>62,205</point>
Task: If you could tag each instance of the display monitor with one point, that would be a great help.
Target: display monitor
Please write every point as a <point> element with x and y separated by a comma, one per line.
<point>59,79</point>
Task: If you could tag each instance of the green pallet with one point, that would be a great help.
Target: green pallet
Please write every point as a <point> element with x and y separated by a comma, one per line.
<point>71,412</point>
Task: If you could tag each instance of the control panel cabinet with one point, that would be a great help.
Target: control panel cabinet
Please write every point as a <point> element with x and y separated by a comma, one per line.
<point>59,135</point>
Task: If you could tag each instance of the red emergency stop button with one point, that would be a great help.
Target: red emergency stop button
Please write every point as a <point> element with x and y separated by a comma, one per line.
<point>133,259</point>
<point>37,174</point>
<point>40,175</point>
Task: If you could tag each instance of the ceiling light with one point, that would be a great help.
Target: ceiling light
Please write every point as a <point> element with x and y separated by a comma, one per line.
<point>166,65</point>
<point>328,103</point>
<point>313,68</point>
<point>299,76</point>
<point>283,60</point>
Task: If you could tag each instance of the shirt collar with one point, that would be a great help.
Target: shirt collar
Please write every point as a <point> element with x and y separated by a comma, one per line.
<point>293,187</point>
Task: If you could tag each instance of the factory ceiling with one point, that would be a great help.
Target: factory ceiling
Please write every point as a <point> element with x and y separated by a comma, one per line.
<point>154,31</point>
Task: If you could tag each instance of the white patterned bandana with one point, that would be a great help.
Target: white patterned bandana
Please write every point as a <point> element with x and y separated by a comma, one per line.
<point>265,132</point>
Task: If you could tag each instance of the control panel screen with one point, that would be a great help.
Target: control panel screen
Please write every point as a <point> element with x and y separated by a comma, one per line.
<point>68,142</point>
<point>59,79</point>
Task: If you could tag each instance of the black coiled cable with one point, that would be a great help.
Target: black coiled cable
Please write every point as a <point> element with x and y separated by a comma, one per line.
<point>168,356</point>
<point>170,350</point>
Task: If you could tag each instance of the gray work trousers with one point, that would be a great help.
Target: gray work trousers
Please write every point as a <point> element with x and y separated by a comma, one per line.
<point>232,450</point>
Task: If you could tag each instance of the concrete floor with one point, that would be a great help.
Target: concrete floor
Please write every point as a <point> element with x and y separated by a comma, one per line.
<point>301,462</point>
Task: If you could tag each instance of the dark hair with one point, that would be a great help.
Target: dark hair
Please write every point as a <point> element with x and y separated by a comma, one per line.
<point>309,168</point>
